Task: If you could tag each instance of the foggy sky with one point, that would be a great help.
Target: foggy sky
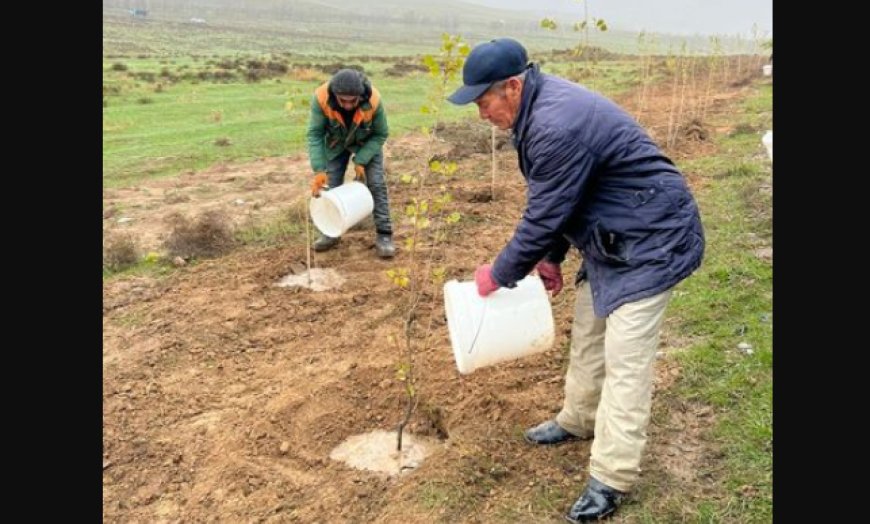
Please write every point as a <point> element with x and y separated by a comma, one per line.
<point>684,17</point>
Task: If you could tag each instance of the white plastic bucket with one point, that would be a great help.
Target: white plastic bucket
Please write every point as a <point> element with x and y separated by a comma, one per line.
<point>506,325</point>
<point>339,209</point>
<point>767,69</point>
<point>767,140</point>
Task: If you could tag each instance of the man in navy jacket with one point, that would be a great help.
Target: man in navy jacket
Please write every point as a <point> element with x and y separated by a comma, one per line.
<point>596,181</point>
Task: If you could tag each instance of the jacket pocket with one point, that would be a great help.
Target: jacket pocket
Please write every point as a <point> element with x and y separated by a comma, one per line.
<point>609,246</point>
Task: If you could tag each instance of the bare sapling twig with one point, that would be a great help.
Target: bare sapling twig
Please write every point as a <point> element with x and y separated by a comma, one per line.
<point>426,213</point>
<point>308,245</point>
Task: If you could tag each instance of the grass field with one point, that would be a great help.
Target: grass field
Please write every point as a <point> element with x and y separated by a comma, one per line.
<point>173,91</point>
<point>154,126</point>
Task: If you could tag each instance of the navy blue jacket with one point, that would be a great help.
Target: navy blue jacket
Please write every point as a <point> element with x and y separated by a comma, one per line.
<point>597,181</point>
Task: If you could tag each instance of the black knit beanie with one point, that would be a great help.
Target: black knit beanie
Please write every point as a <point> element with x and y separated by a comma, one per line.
<point>347,82</point>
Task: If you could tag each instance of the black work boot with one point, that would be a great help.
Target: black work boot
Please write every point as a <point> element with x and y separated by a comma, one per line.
<point>597,502</point>
<point>384,245</point>
<point>324,242</point>
<point>549,432</point>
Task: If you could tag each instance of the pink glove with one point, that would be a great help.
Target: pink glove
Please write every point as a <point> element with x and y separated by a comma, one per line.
<point>551,275</point>
<point>483,278</point>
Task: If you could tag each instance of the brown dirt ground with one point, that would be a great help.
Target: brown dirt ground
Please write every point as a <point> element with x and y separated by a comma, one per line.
<point>209,371</point>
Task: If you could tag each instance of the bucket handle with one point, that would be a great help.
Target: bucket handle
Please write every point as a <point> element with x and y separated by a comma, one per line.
<point>479,327</point>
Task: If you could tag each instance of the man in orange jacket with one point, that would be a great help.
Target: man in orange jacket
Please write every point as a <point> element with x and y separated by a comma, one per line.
<point>348,121</point>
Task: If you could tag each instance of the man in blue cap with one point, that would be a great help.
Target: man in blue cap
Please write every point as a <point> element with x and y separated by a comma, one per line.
<point>596,181</point>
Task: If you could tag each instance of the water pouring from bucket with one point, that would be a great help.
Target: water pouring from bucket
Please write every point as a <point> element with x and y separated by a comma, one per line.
<point>341,208</point>
<point>506,325</point>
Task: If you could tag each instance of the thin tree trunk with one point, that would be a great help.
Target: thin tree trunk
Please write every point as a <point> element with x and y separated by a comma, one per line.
<point>672,108</point>
<point>308,245</point>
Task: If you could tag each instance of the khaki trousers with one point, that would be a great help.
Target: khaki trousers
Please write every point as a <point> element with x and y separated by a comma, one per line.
<point>608,386</point>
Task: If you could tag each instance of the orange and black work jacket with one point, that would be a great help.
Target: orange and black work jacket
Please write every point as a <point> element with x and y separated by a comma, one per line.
<point>329,136</point>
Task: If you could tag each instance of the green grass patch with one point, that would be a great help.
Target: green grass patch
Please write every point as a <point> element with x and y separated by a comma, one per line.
<point>150,265</point>
<point>189,126</point>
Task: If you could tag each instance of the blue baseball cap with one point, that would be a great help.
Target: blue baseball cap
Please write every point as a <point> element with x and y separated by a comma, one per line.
<point>488,63</point>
